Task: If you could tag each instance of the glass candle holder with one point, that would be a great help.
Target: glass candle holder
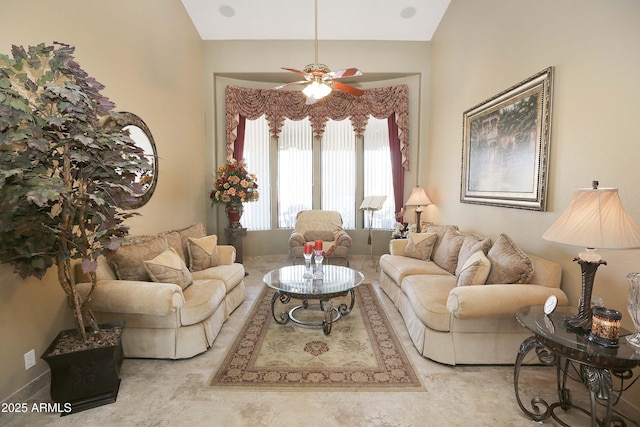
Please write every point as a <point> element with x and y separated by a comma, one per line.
<point>308,253</point>
<point>319,258</point>
<point>633,304</point>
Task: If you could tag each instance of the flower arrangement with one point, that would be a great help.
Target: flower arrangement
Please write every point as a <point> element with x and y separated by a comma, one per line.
<point>234,184</point>
<point>402,230</point>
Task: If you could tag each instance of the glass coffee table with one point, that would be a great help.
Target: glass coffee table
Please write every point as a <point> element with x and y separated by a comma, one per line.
<point>289,282</point>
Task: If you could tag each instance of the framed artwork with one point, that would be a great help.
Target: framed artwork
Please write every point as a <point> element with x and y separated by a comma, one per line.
<point>505,148</point>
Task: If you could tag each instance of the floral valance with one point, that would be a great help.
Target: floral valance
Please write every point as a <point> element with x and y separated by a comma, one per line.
<point>278,105</point>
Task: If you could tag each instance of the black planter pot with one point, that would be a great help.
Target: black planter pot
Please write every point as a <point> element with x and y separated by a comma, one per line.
<point>85,379</point>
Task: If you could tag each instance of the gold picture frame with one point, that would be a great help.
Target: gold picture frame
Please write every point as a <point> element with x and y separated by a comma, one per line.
<point>506,143</point>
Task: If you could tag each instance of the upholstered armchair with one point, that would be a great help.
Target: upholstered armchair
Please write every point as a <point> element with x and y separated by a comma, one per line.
<point>312,225</point>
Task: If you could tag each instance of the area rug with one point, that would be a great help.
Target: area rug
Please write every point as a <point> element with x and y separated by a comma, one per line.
<point>362,351</point>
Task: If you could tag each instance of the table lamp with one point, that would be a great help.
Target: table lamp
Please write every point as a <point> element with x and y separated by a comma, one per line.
<point>418,198</point>
<point>594,219</point>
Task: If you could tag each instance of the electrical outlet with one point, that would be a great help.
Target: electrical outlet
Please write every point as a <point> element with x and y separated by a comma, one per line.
<point>29,359</point>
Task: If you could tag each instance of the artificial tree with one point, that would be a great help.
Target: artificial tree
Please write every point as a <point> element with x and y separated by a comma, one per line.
<point>64,175</point>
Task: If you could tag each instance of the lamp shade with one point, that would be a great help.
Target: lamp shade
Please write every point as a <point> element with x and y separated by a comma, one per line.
<point>595,218</point>
<point>418,197</point>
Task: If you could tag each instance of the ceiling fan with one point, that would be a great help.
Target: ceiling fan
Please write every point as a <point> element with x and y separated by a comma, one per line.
<point>319,79</point>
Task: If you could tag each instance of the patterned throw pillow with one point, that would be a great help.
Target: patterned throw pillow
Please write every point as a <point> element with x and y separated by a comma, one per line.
<point>203,252</point>
<point>168,267</point>
<point>128,261</point>
<point>471,244</point>
<point>475,270</point>
<point>446,253</point>
<point>509,264</point>
<point>419,245</point>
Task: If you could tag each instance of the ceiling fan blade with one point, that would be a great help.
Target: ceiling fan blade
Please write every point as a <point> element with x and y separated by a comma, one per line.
<point>348,89</point>
<point>290,84</point>
<point>295,71</point>
<point>347,72</point>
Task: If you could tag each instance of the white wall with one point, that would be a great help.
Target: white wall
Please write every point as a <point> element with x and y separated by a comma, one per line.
<point>483,48</point>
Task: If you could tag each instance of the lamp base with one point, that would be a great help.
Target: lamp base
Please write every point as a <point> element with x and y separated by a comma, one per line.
<point>582,321</point>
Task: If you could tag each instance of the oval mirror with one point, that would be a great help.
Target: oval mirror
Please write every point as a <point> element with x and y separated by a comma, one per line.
<point>141,136</point>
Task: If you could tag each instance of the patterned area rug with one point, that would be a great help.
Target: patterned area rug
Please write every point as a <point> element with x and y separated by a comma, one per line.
<point>362,351</point>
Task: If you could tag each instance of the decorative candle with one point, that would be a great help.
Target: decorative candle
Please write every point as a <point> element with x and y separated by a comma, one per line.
<point>308,249</point>
<point>318,245</point>
<point>605,326</point>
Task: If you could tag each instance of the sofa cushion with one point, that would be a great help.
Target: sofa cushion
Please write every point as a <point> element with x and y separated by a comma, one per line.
<point>203,252</point>
<point>168,267</point>
<point>446,253</point>
<point>420,245</point>
<point>324,235</point>
<point>201,299</point>
<point>471,244</point>
<point>196,231</point>
<point>128,261</point>
<point>230,274</point>
<point>428,295</point>
<point>509,264</point>
<point>475,270</point>
<point>397,267</point>
<point>441,231</point>
<point>175,241</point>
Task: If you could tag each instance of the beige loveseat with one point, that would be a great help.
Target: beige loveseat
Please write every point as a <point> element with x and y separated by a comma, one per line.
<point>171,311</point>
<point>458,294</point>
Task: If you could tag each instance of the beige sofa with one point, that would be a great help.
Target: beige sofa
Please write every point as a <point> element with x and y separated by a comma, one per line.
<point>174,291</point>
<point>458,294</point>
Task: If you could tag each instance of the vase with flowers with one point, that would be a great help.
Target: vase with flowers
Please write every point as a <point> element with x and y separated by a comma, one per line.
<point>234,186</point>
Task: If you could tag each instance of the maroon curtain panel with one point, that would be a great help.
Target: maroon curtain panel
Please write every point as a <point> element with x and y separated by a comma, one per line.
<point>238,145</point>
<point>396,165</point>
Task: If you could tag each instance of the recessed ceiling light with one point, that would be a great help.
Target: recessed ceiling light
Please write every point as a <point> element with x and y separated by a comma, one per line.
<point>408,12</point>
<point>226,10</point>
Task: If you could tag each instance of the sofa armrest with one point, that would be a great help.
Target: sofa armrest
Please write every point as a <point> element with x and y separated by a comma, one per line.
<point>342,238</point>
<point>396,246</point>
<point>226,254</point>
<point>296,239</point>
<point>134,297</point>
<point>490,301</point>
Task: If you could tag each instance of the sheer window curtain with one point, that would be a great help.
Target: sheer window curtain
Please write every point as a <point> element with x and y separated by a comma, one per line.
<point>338,165</point>
<point>257,215</point>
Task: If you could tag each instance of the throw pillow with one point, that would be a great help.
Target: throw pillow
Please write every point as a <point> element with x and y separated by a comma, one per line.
<point>168,267</point>
<point>445,255</point>
<point>509,264</point>
<point>203,252</point>
<point>174,240</point>
<point>475,270</point>
<point>419,245</point>
<point>471,244</point>
<point>195,231</point>
<point>128,261</point>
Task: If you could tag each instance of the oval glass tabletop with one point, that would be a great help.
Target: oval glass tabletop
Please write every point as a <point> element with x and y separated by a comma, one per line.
<point>552,328</point>
<point>336,279</point>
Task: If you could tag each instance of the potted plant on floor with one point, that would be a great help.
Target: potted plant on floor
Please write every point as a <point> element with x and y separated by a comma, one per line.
<point>63,178</point>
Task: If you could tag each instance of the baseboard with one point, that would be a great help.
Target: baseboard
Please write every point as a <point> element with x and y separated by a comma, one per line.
<point>29,390</point>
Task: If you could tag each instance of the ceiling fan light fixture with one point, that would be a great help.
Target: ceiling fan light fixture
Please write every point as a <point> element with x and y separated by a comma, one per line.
<point>316,90</point>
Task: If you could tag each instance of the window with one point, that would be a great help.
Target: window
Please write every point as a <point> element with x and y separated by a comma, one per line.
<point>318,174</point>
<point>338,170</point>
<point>257,215</point>
<point>378,179</point>
<point>295,171</point>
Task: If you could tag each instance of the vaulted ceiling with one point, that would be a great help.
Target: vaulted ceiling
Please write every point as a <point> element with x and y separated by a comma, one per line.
<point>409,20</point>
